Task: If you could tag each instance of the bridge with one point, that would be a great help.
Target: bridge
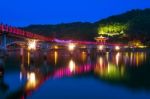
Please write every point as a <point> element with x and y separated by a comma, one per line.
<point>9,31</point>
<point>11,35</point>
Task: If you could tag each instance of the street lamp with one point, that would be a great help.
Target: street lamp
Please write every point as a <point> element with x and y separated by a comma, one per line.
<point>71,46</point>
<point>100,47</point>
<point>32,45</point>
<point>117,48</point>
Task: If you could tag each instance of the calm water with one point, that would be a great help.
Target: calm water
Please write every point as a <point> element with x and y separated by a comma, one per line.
<point>57,75</point>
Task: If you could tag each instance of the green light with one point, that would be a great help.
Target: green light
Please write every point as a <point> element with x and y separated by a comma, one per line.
<point>112,29</point>
<point>112,72</point>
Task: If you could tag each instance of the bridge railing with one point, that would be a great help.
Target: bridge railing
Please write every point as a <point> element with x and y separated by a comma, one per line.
<point>20,32</point>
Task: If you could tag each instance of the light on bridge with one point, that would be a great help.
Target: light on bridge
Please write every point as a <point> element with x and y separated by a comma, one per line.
<point>32,45</point>
<point>55,47</point>
<point>71,47</point>
<point>100,47</point>
<point>117,48</point>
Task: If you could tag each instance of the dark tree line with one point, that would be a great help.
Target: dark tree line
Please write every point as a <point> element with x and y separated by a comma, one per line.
<point>75,31</point>
<point>137,22</point>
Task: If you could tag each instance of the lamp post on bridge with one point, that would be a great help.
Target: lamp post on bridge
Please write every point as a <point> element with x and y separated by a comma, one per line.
<point>102,43</point>
<point>71,48</point>
<point>32,44</point>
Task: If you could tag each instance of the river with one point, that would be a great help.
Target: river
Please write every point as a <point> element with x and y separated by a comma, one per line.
<point>59,75</point>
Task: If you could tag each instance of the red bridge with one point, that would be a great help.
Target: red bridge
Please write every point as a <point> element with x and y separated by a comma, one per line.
<point>6,30</point>
<point>21,33</point>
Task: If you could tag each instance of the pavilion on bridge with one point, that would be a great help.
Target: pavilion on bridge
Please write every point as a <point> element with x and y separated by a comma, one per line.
<point>101,39</point>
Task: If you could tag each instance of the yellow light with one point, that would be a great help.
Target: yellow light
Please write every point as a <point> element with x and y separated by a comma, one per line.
<point>32,45</point>
<point>83,56</point>
<point>117,48</point>
<point>72,65</point>
<point>28,58</point>
<point>32,77</point>
<point>100,47</point>
<point>56,47</point>
<point>71,47</point>
<point>101,61</point>
<point>55,57</point>
<point>117,58</point>
<point>142,46</point>
<point>31,81</point>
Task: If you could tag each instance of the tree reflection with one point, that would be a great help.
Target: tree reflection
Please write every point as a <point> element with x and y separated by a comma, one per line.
<point>129,69</point>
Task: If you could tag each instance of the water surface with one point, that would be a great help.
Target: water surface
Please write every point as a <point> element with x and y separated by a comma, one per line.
<point>59,75</point>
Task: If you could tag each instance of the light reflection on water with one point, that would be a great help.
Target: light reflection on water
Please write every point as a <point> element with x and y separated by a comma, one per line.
<point>36,68</point>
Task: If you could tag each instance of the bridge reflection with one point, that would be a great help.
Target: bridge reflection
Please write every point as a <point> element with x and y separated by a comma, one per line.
<point>35,69</point>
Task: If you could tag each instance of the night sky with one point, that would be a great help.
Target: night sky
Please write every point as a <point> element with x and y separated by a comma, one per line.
<point>25,12</point>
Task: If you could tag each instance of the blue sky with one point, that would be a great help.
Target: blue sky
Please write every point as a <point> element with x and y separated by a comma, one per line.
<point>25,12</point>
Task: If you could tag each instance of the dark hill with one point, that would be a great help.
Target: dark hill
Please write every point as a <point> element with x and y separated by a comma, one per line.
<point>133,24</point>
<point>76,31</point>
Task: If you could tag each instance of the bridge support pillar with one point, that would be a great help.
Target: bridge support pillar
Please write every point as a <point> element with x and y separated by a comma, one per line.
<point>3,46</point>
<point>4,41</point>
